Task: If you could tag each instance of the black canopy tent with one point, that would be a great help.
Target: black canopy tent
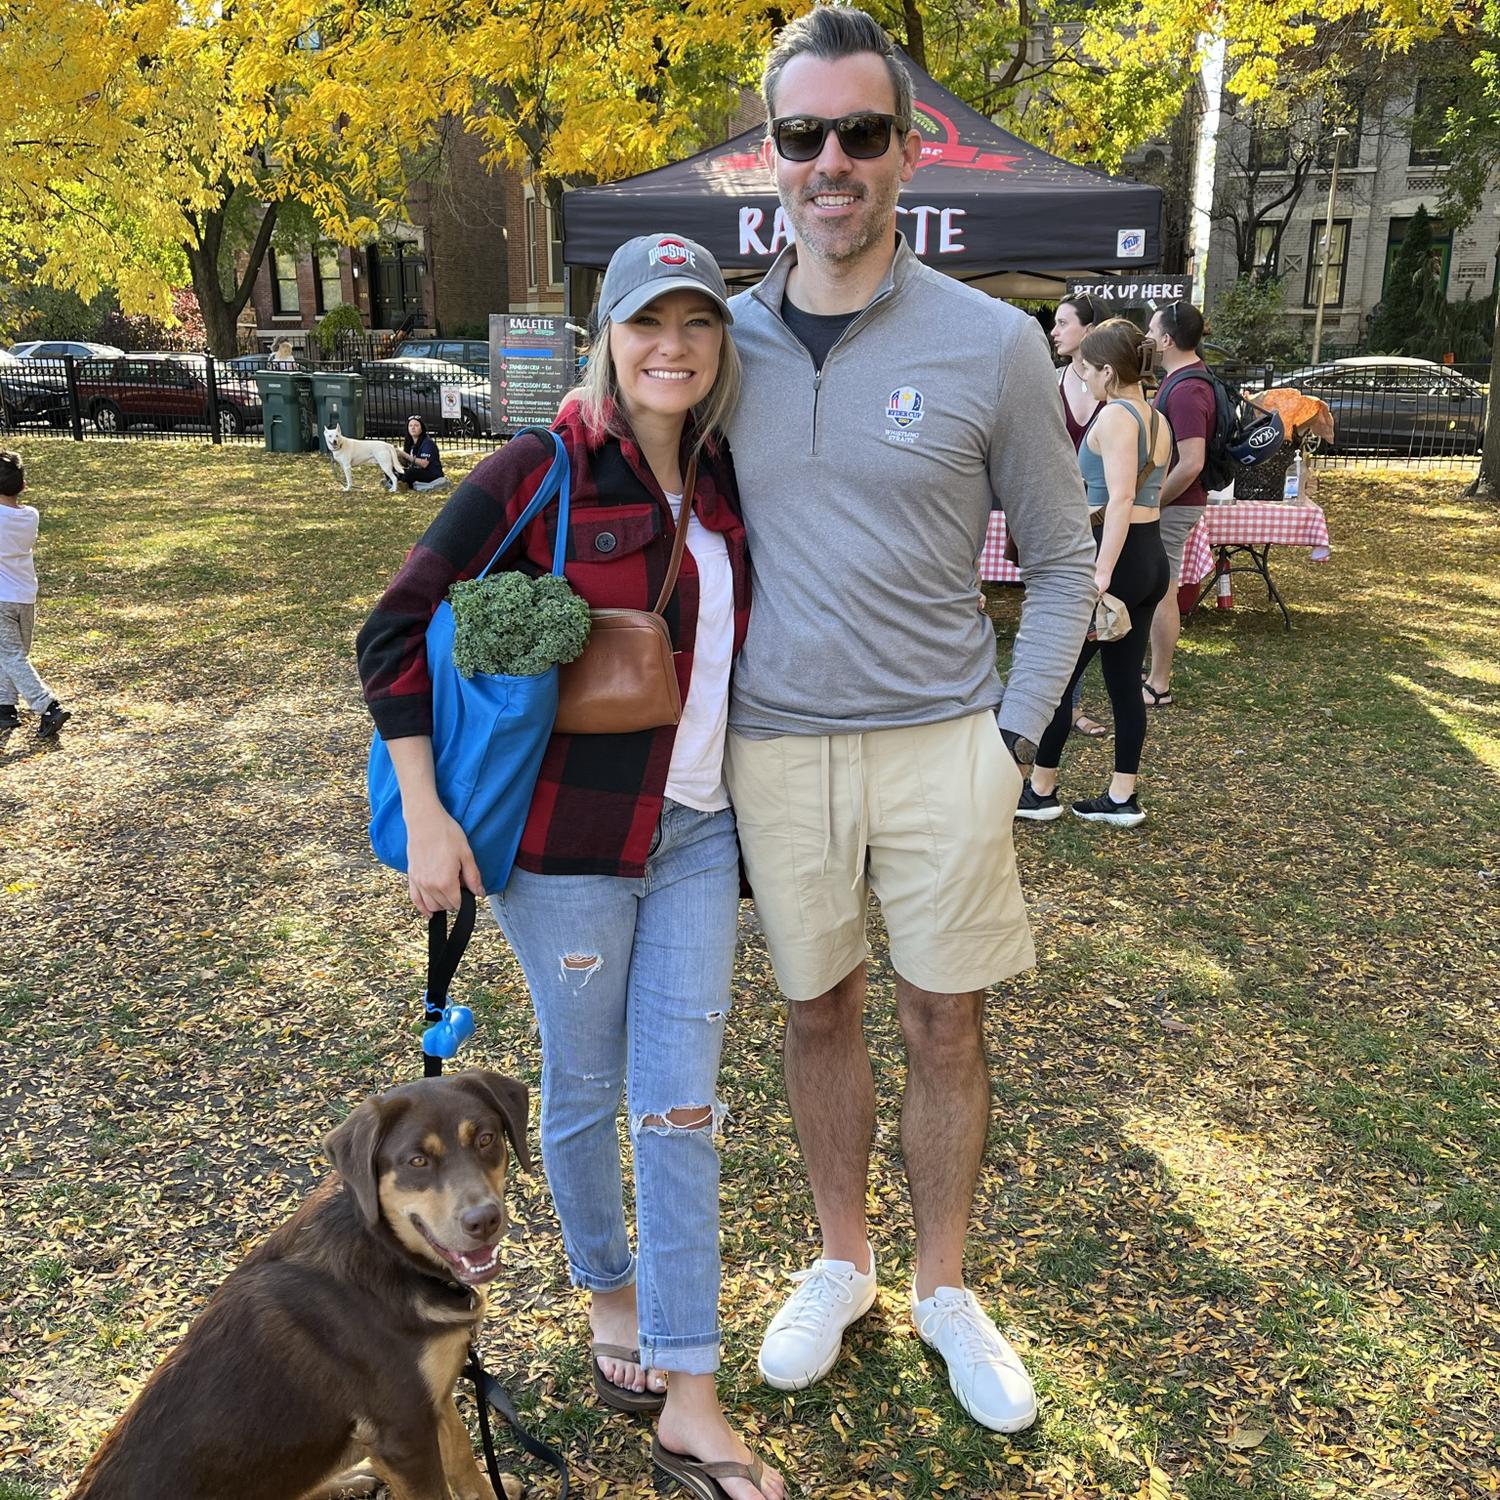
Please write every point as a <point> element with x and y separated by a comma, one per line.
<point>982,205</point>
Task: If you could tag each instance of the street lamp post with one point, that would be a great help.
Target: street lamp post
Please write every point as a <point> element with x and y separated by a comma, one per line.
<point>1339,137</point>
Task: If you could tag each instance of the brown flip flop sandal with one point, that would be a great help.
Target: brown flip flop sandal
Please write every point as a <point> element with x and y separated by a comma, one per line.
<point>699,1479</point>
<point>621,1397</point>
<point>1095,731</point>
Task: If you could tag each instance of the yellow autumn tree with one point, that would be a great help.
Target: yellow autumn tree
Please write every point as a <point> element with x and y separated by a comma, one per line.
<point>153,140</point>
<point>145,141</point>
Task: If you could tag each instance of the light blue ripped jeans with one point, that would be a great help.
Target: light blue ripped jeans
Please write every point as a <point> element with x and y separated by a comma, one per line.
<point>631,984</point>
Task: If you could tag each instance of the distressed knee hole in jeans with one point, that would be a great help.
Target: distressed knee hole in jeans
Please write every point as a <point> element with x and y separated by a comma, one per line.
<point>579,968</point>
<point>685,1119</point>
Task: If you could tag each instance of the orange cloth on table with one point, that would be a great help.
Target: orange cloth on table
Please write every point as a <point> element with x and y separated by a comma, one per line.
<point>1299,413</point>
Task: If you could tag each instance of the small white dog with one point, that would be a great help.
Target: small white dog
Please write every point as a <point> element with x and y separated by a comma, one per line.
<point>347,451</point>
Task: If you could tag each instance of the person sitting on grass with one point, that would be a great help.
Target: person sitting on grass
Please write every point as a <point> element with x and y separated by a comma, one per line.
<point>18,529</point>
<point>426,467</point>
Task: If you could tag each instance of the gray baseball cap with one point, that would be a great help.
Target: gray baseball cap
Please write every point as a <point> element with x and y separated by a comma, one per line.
<point>651,265</point>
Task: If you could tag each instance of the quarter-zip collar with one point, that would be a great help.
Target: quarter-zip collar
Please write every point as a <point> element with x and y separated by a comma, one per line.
<point>771,291</point>
<point>771,288</point>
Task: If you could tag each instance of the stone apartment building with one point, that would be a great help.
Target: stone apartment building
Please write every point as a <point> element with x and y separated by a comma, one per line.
<point>1384,174</point>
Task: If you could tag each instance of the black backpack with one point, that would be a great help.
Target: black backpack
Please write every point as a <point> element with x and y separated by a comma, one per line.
<point>1243,434</point>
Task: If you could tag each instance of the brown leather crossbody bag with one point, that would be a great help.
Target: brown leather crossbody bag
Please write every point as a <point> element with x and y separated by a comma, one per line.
<point>626,680</point>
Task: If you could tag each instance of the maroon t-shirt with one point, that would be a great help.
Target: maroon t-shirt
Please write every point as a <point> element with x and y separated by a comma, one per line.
<point>1191,411</point>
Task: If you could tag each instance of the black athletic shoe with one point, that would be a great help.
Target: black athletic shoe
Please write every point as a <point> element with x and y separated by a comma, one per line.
<point>1104,809</point>
<point>54,716</point>
<point>1037,808</point>
<point>9,717</point>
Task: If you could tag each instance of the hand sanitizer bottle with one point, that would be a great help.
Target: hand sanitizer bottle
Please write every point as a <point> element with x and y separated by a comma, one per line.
<point>1291,489</point>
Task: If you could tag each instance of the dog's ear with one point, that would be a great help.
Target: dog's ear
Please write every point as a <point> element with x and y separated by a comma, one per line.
<point>509,1096</point>
<point>352,1148</point>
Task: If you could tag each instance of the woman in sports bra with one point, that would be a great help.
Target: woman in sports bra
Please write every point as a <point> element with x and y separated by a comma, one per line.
<point>1074,317</point>
<point>1123,457</point>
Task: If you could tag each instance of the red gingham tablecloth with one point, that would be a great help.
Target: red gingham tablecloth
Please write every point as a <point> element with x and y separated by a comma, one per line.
<point>993,567</point>
<point>1254,523</point>
<point>1245,522</point>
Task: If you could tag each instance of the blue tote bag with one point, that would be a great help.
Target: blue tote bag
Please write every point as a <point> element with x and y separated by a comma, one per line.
<point>489,732</point>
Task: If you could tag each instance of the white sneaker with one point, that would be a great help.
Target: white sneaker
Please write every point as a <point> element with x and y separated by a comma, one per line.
<point>803,1342</point>
<point>986,1374</point>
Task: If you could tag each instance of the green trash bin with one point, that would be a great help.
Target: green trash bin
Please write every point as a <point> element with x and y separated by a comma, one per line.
<point>340,399</point>
<point>289,416</point>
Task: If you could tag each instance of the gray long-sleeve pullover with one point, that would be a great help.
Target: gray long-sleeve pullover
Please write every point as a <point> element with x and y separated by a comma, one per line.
<point>866,491</point>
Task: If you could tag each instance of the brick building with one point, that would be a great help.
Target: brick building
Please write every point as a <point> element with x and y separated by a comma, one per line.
<point>479,241</point>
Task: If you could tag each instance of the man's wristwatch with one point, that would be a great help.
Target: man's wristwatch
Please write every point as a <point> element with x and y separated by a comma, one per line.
<point>1022,751</point>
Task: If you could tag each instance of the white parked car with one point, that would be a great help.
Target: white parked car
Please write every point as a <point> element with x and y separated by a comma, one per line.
<point>57,348</point>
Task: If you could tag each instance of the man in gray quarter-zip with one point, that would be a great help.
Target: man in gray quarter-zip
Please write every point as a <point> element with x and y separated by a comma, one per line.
<point>886,409</point>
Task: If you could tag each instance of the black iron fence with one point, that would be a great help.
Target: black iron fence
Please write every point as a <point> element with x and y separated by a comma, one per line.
<point>1383,409</point>
<point>1386,408</point>
<point>192,398</point>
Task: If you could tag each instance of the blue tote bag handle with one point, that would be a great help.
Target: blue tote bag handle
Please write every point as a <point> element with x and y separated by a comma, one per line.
<point>558,481</point>
<point>489,732</point>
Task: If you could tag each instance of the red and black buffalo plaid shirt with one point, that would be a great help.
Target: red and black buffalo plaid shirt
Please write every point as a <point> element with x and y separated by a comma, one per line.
<point>599,796</point>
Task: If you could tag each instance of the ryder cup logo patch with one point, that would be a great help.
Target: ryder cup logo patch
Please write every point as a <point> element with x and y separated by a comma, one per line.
<point>905,406</point>
<point>672,253</point>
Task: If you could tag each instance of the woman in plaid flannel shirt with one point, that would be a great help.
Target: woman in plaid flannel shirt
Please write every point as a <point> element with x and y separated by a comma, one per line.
<point>622,908</point>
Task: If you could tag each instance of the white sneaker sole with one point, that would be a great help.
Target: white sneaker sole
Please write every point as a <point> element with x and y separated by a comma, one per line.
<point>1115,820</point>
<point>1039,814</point>
<point>812,1377</point>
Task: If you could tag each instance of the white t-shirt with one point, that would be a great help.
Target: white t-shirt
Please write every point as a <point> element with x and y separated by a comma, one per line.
<point>18,528</point>
<point>696,776</point>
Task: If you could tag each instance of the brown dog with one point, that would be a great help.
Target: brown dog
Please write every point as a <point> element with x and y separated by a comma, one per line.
<point>339,1339</point>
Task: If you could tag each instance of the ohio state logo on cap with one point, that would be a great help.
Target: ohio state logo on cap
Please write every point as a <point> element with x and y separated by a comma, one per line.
<point>672,253</point>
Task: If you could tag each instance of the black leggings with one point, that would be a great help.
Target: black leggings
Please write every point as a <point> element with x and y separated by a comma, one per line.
<point>1140,583</point>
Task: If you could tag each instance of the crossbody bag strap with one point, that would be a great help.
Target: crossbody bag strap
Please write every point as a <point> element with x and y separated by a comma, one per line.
<point>557,481</point>
<point>689,484</point>
<point>1150,463</point>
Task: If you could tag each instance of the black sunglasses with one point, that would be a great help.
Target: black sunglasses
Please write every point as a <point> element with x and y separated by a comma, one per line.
<point>862,137</point>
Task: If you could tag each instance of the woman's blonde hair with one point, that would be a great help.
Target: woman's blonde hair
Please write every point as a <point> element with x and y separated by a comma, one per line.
<point>598,393</point>
<point>1118,343</point>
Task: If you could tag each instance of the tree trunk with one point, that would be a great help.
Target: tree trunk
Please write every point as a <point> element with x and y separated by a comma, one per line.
<point>916,36</point>
<point>1487,483</point>
<point>221,310</point>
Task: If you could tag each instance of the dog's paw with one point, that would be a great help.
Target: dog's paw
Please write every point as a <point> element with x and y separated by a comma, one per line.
<point>354,1484</point>
<point>511,1488</point>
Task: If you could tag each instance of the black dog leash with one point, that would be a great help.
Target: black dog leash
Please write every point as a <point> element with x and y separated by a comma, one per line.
<point>449,1026</point>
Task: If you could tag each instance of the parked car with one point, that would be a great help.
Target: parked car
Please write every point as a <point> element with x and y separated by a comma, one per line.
<point>57,348</point>
<point>396,389</point>
<point>31,393</point>
<point>248,364</point>
<point>163,390</point>
<point>231,380</point>
<point>472,354</point>
<point>1391,404</point>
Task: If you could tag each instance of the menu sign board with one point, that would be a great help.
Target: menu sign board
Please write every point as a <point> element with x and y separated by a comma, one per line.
<point>531,367</point>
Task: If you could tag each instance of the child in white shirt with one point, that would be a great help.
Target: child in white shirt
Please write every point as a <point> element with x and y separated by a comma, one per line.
<point>18,529</point>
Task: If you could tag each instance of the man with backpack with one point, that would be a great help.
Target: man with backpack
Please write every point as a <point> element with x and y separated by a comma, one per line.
<point>1190,406</point>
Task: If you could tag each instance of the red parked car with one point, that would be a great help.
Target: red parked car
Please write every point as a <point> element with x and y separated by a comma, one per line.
<point>166,390</point>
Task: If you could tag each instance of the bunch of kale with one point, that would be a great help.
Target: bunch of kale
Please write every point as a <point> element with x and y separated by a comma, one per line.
<point>516,626</point>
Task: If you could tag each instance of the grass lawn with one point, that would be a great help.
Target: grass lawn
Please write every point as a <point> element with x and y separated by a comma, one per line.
<point>1241,1203</point>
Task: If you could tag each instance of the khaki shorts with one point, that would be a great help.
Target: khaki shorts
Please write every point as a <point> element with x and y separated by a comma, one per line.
<point>921,816</point>
<point>1176,522</point>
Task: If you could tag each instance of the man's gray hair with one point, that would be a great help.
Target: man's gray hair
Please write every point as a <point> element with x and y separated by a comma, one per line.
<point>831,32</point>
